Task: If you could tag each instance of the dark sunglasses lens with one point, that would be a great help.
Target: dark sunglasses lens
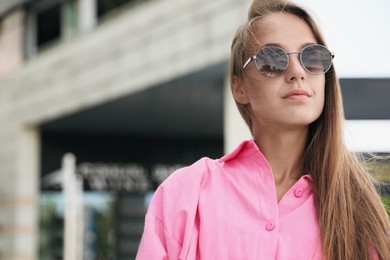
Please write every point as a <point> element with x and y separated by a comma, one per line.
<point>271,61</point>
<point>317,59</point>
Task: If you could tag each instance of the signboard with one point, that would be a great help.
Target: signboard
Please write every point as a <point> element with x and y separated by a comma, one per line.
<point>117,177</point>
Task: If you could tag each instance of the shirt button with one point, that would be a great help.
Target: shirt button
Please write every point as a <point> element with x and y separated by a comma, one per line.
<point>298,193</point>
<point>270,226</point>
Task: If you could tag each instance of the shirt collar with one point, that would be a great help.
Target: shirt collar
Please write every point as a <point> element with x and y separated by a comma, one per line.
<point>248,148</point>
<point>245,149</point>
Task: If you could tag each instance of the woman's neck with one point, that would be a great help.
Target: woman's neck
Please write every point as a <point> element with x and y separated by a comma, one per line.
<point>284,151</point>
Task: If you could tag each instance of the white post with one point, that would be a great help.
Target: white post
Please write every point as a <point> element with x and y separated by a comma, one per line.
<point>73,214</point>
<point>87,14</point>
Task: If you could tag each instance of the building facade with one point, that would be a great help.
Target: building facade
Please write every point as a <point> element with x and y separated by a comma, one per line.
<point>134,89</point>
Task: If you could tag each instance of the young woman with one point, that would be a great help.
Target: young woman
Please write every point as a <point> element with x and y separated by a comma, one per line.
<point>294,191</point>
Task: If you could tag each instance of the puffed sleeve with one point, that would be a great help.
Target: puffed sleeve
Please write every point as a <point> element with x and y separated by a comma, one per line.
<point>170,230</point>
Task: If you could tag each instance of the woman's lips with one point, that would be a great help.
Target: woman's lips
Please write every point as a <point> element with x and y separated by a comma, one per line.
<point>297,94</point>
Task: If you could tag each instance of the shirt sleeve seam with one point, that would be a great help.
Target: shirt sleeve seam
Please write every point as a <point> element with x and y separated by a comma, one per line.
<point>165,230</point>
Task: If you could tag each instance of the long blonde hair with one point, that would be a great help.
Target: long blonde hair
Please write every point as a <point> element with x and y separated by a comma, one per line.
<point>353,221</point>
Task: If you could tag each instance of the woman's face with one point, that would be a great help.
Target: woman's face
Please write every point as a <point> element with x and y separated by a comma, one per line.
<point>294,99</point>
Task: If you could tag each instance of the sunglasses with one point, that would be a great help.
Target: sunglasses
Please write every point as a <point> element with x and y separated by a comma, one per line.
<point>272,61</point>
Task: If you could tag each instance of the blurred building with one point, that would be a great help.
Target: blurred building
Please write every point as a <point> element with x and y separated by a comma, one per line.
<point>134,89</point>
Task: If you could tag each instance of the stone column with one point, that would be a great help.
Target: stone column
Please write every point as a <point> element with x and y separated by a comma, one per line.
<point>19,176</point>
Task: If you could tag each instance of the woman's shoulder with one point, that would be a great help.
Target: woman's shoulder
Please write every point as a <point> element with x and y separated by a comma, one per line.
<point>179,194</point>
<point>189,180</point>
<point>188,177</point>
<point>180,191</point>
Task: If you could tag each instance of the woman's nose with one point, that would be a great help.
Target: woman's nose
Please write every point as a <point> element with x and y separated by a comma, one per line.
<point>295,70</point>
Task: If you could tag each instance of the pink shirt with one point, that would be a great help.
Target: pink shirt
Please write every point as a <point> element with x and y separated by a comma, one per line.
<point>228,209</point>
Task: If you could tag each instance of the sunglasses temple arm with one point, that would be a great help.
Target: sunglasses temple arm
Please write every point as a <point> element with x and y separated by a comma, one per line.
<point>249,61</point>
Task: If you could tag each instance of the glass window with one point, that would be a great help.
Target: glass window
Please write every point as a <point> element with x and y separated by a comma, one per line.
<point>48,25</point>
<point>105,6</point>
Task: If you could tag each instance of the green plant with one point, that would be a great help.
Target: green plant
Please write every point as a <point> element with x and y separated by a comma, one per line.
<point>386,202</point>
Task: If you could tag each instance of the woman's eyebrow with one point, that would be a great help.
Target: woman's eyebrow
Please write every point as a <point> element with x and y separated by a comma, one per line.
<point>281,46</point>
<point>272,44</point>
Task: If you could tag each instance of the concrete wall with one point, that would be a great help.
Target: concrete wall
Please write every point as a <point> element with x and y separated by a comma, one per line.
<point>11,43</point>
<point>7,6</point>
<point>154,42</point>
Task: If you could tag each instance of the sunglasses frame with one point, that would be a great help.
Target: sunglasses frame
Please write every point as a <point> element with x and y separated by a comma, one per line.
<point>254,58</point>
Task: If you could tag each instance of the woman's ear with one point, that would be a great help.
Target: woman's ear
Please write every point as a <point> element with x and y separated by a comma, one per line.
<point>238,90</point>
